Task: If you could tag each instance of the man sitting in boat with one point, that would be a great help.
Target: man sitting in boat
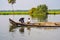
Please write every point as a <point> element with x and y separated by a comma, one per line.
<point>28,22</point>
<point>21,20</point>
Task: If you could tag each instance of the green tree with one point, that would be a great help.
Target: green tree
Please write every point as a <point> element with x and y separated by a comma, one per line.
<point>40,12</point>
<point>42,9</point>
<point>31,11</point>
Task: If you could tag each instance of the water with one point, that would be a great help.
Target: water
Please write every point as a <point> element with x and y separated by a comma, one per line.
<point>54,18</point>
<point>28,33</point>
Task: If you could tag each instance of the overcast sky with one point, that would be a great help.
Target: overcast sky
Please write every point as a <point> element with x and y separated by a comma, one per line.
<point>28,4</point>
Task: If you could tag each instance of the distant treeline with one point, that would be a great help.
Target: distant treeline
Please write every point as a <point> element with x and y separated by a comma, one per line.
<point>54,10</point>
<point>14,10</point>
<point>25,10</point>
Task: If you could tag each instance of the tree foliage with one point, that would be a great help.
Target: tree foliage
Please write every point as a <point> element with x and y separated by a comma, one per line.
<point>32,11</point>
<point>42,9</point>
<point>11,1</point>
<point>40,12</point>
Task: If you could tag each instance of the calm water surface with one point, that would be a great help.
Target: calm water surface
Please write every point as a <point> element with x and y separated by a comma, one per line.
<point>28,34</point>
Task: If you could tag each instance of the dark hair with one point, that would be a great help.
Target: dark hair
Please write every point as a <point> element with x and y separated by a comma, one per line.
<point>21,19</point>
<point>28,18</point>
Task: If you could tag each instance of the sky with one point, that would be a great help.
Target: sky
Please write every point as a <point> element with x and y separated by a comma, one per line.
<point>28,4</point>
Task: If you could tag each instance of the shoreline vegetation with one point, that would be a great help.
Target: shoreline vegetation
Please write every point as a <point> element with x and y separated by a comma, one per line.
<point>53,12</point>
<point>13,13</point>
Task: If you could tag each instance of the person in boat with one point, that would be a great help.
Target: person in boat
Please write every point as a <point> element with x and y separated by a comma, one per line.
<point>28,22</point>
<point>21,20</point>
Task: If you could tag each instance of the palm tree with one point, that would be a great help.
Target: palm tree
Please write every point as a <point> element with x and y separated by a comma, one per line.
<point>12,2</point>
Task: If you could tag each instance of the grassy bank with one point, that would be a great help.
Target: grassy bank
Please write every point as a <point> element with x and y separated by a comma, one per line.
<point>26,12</point>
<point>54,11</point>
<point>13,13</point>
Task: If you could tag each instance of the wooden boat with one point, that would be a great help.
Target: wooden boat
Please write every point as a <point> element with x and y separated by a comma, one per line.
<point>41,24</point>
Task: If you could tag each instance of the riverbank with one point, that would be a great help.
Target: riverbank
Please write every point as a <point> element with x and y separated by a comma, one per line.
<point>25,13</point>
<point>13,13</point>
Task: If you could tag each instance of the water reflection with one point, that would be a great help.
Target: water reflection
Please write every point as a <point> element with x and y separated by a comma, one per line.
<point>21,30</point>
<point>11,29</point>
<point>47,28</point>
<point>12,35</point>
<point>34,33</point>
<point>27,33</point>
<point>50,28</point>
<point>40,18</point>
<point>29,29</point>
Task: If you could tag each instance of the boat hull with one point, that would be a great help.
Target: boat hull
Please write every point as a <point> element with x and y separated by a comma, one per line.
<point>41,24</point>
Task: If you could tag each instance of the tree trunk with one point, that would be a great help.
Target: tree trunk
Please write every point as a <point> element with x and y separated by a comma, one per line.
<point>12,10</point>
